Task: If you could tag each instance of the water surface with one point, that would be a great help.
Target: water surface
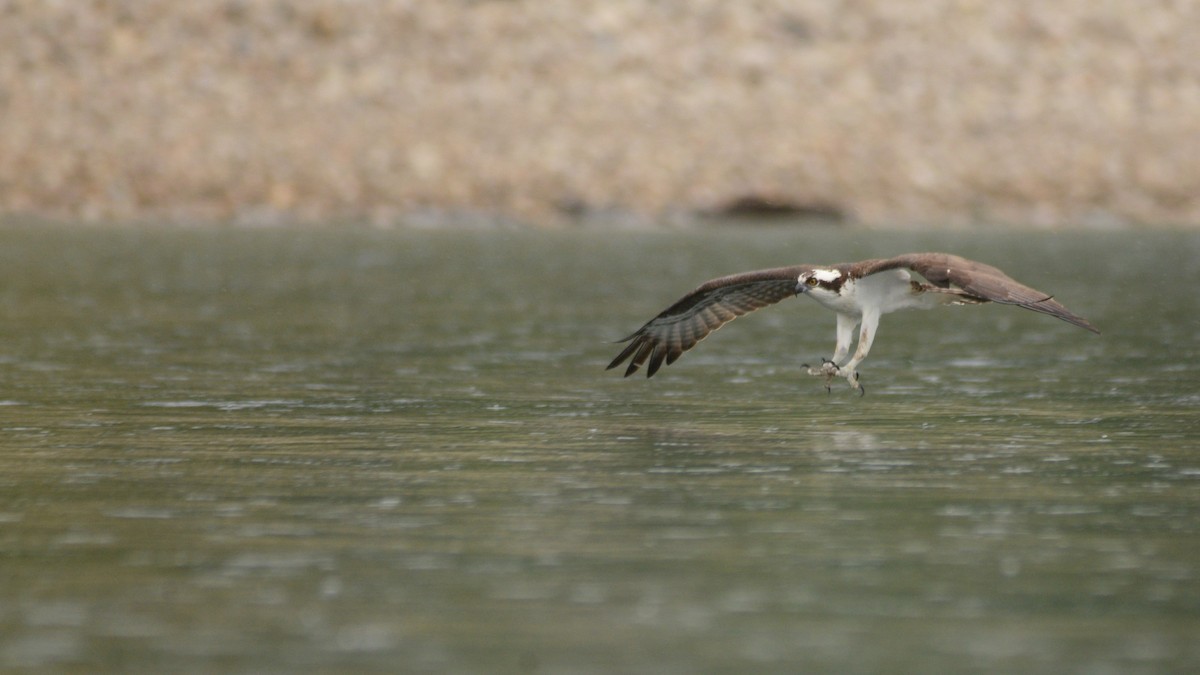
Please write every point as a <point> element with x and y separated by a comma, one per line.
<point>361,451</point>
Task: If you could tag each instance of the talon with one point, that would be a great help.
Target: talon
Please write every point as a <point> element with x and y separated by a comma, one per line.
<point>853,379</point>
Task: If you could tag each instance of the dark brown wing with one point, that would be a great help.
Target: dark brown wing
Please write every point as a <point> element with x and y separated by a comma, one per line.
<point>977,279</point>
<point>679,327</point>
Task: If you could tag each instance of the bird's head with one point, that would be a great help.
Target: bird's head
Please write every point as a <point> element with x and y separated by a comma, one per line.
<point>820,282</point>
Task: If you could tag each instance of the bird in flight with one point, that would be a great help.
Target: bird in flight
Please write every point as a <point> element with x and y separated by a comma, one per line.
<point>858,292</point>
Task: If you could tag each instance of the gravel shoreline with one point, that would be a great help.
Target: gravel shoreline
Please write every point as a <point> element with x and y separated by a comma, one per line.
<point>940,112</point>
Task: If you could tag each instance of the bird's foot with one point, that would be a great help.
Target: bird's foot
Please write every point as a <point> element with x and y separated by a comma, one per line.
<point>853,379</point>
<point>828,370</point>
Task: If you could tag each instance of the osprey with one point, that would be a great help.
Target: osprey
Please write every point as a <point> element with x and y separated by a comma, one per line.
<point>859,292</point>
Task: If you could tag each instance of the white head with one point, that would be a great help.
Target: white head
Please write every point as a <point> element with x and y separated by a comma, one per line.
<point>821,280</point>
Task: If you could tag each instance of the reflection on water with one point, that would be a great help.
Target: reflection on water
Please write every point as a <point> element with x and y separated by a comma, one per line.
<point>370,451</point>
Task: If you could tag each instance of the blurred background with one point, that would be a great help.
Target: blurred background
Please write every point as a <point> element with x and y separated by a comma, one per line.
<point>931,112</point>
<point>346,448</point>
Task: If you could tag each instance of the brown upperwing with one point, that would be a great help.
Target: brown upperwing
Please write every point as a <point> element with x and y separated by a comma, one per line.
<point>977,279</point>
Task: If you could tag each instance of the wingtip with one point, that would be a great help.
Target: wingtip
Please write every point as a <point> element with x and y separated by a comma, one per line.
<point>1082,323</point>
<point>1049,305</point>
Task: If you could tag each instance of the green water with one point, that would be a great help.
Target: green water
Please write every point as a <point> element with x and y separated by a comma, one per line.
<point>359,451</point>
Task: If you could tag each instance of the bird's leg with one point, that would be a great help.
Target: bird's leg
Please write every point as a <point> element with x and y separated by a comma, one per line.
<point>845,333</point>
<point>870,322</point>
<point>829,368</point>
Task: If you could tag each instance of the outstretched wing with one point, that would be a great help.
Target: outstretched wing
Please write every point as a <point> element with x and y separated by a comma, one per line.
<point>977,280</point>
<point>679,327</point>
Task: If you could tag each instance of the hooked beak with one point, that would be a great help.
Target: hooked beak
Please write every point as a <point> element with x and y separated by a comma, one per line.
<point>801,288</point>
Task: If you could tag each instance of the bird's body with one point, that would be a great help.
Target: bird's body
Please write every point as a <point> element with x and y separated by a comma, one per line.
<point>889,291</point>
<point>859,293</point>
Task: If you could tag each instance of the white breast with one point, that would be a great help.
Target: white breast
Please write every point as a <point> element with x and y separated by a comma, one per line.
<point>887,291</point>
